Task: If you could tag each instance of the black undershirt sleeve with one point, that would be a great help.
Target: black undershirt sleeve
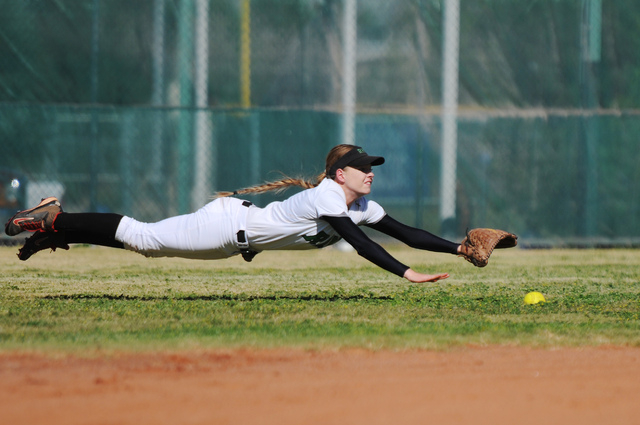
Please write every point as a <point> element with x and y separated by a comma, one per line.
<point>365,247</point>
<point>415,238</point>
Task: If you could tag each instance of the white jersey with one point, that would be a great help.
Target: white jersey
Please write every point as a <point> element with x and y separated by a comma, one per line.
<point>296,222</point>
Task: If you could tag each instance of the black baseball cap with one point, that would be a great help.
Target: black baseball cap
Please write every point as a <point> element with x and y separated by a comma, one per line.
<point>356,157</point>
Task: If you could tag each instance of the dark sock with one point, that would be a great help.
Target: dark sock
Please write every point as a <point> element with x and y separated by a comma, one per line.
<point>71,236</point>
<point>100,226</point>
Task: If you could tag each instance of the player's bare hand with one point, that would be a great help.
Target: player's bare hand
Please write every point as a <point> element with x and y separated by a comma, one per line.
<point>415,277</point>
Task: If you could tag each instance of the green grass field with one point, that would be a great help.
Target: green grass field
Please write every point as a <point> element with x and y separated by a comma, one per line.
<point>98,298</point>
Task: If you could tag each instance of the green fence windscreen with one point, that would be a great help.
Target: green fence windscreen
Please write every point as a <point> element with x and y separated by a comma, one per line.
<point>147,109</point>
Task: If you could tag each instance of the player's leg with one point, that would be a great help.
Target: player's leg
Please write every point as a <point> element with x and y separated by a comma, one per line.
<point>209,233</point>
<point>40,241</point>
<point>66,229</point>
<point>48,216</point>
<point>84,227</point>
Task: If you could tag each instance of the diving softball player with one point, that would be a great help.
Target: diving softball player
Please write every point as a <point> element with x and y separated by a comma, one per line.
<point>328,210</point>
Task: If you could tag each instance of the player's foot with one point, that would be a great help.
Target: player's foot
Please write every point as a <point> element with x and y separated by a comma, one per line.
<point>37,218</point>
<point>42,240</point>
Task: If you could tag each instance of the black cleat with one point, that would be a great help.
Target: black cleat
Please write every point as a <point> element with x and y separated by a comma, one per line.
<point>38,218</point>
<point>40,241</point>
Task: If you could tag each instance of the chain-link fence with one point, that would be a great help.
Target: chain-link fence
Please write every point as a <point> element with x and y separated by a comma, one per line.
<point>149,107</point>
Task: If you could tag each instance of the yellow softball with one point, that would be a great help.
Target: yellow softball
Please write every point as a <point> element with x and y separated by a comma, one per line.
<point>534,298</point>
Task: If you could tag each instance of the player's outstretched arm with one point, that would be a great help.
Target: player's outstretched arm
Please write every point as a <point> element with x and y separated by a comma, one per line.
<point>414,237</point>
<point>365,247</point>
<point>375,253</point>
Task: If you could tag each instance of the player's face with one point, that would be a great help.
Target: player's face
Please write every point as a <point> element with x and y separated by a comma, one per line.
<point>359,179</point>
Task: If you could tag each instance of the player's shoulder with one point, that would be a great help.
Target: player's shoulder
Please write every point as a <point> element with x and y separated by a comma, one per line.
<point>329,188</point>
<point>366,205</point>
<point>366,211</point>
<point>363,204</point>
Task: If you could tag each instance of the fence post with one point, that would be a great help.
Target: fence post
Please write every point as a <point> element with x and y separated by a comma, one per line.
<point>95,149</point>
<point>204,157</point>
<point>590,46</point>
<point>185,58</point>
<point>448,165</point>
<point>350,36</point>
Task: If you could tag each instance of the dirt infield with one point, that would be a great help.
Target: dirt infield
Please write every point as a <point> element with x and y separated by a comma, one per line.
<point>489,385</point>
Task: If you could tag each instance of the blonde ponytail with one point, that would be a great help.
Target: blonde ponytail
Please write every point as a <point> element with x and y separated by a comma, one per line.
<point>278,186</point>
<point>275,186</point>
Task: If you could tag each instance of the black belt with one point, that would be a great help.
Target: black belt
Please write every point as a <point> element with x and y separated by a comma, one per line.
<point>243,243</point>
